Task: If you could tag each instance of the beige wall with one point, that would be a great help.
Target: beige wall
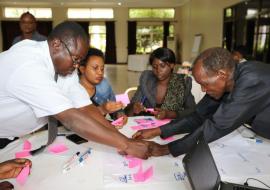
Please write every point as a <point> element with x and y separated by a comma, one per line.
<point>59,14</point>
<point>201,17</point>
<point>121,17</point>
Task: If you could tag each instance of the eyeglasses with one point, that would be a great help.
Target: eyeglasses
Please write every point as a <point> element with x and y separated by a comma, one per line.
<point>75,61</point>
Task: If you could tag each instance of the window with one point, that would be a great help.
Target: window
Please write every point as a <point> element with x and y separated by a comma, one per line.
<point>171,30</point>
<point>97,35</point>
<point>150,38</point>
<point>262,40</point>
<point>251,13</point>
<point>228,12</point>
<point>13,12</point>
<point>151,13</point>
<point>90,13</point>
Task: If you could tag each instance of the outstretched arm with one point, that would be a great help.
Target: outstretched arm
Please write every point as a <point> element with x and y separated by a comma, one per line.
<point>89,128</point>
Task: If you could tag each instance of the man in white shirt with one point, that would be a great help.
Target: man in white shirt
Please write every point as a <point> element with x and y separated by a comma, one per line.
<point>29,92</point>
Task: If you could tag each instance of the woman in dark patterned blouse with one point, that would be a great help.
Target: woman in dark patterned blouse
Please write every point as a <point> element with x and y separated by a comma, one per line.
<point>169,93</point>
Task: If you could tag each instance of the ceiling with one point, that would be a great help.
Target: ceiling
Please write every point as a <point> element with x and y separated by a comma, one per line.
<point>100,3</point>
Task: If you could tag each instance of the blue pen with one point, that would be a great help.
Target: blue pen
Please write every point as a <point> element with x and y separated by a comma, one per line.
<point>84,155</point>
<point>143,99</point>
<point>253,139</point>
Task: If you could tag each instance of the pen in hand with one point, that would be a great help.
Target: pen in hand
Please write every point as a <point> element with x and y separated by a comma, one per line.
<point>142,102</point>
<point>143,99</point>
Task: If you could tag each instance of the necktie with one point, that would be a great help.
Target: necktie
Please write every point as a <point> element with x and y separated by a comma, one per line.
<point>52,131</point>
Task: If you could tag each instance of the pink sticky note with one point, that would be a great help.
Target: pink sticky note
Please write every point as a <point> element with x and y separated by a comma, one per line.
<point>169,139</point>
<point>22,154</point>
<point>122,98</point>
<point>133,162</point>
<point>118,122</point>
<point>22,177</point>
<point>57,148</point>
<point>27,145</point>
<point>141,176</point>
<point>151,110</point>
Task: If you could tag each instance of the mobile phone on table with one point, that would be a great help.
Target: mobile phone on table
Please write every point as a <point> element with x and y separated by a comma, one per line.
<point>76,139</point>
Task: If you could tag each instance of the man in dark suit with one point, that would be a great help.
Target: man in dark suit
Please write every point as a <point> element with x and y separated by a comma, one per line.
<point>235,94</point>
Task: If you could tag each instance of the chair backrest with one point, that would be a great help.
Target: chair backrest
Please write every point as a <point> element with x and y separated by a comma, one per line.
<point>131,91</point>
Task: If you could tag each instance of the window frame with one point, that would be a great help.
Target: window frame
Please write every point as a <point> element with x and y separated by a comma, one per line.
<point>97,24</point>
<point>32,10</point>
<point>152,17</point>
<point>90,14</point>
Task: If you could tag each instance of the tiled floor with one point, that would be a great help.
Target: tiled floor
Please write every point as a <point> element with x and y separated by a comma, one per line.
<point>120,78</point>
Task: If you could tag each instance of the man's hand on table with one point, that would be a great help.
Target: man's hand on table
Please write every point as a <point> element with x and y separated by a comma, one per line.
<point>137,148</point>
<point>157,149</point>
<point>147,133</point>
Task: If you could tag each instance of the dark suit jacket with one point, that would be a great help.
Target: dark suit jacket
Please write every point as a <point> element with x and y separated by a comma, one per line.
<point>248,102</point>
<point>148,89</point>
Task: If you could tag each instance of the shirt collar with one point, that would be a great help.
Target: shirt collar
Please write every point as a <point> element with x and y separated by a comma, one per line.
<point>48,62</point>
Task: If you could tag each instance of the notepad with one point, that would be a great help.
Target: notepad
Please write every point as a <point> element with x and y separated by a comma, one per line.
<point>122,98</point>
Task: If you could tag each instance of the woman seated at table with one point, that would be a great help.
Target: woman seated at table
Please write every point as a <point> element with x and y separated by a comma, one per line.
<point>169,93</point>
<point>98,88</point>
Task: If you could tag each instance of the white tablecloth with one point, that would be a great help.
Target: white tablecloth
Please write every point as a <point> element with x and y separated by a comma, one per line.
<point>46,172</point>
<point>138,62</point>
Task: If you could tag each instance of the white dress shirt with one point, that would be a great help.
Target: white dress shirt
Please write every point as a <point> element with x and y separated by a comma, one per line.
<point>28,91</point>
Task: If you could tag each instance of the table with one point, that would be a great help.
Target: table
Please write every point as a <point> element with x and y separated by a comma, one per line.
<point>47,173</point>
<point>138,62</point>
